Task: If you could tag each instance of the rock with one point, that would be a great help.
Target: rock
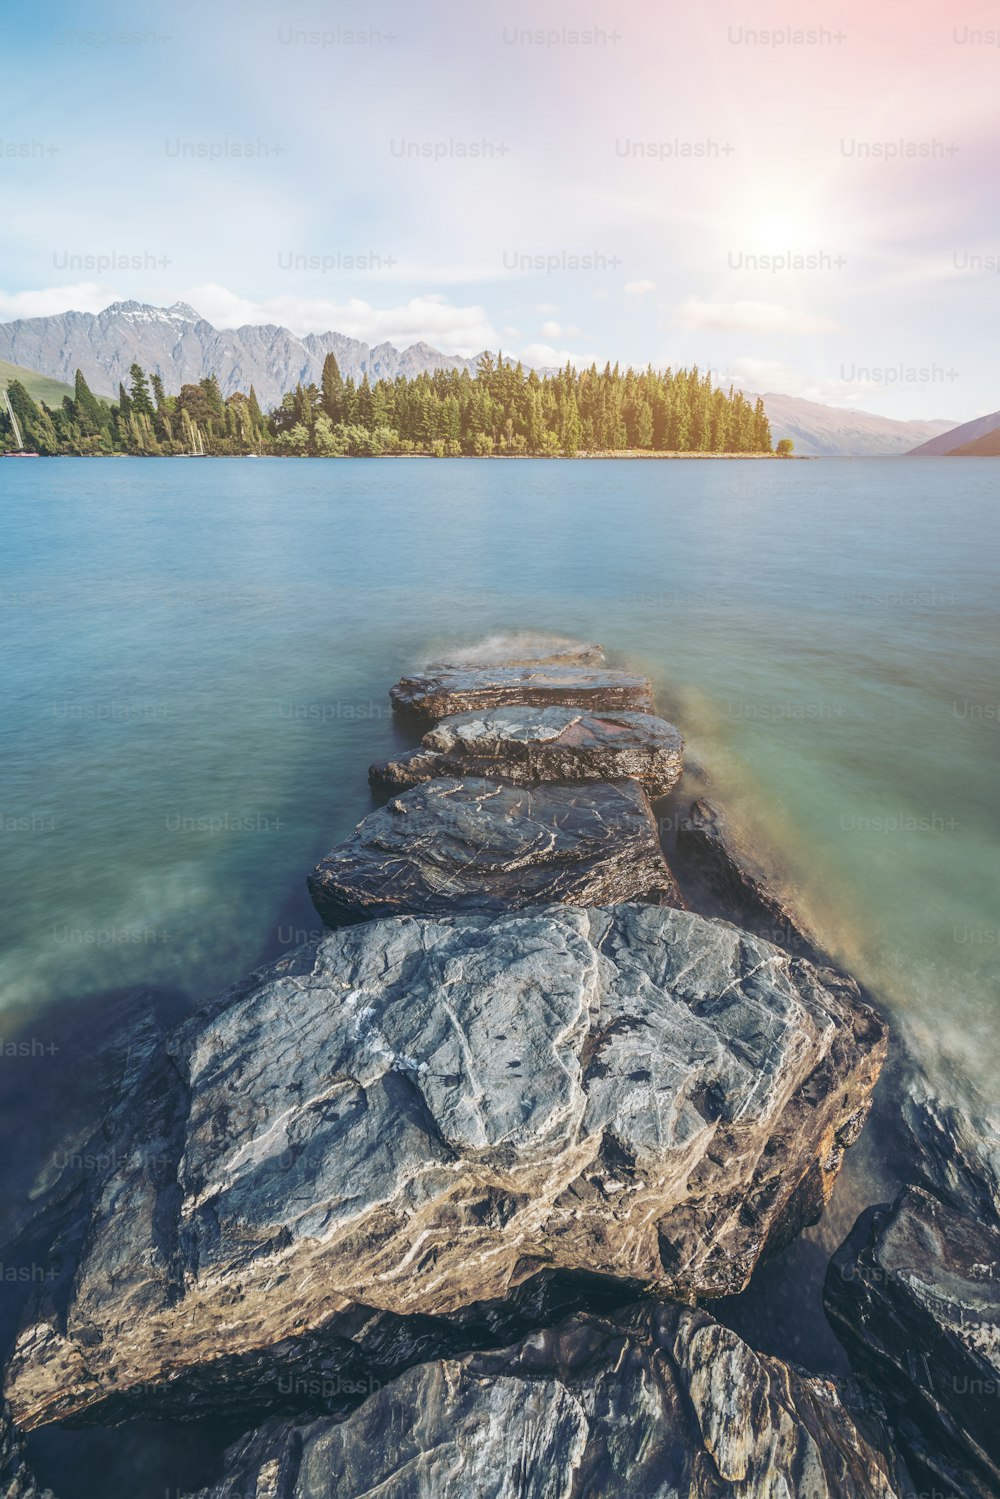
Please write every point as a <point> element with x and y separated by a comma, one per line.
<point>913,1295</point>
<point>444,690</point>
<point>954,1146</point>
<point>722,878</point>
<point>414,1115</point>
<point>523,648</point>
<point>475,845</point>
<point>16,1478</point>
<point>659,1401</point>
<point>529,745</point>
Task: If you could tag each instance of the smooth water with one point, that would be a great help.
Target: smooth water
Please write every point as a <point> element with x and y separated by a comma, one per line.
<point>197,655</point>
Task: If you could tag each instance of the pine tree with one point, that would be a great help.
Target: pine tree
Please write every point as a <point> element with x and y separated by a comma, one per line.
<point>332,385</point>
<point>141,404</point>
<point>91,415</point>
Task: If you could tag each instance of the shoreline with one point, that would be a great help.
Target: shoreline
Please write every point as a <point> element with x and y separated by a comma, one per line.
<point>630,453</point>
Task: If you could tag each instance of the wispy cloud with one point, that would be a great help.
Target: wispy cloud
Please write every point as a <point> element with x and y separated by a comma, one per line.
<point>463,330</point>
<point>749,317</point>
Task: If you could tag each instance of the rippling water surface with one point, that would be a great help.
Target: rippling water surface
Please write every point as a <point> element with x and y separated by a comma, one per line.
<point>197,656</point>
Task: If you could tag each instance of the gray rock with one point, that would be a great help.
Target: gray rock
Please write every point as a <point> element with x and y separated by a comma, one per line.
<point>521,648</point>
<point>914,1296</point>
<point>414,1115</point>
<point>444,690</point>
<point>473,845</point>
<point>954,1143</point>
<point>530,745</point>
<point>722,877</point>
<point>16,1479</point>
<point>657,1403</point>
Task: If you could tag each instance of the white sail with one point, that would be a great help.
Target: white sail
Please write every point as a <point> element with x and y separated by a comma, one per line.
<point>19,441</point>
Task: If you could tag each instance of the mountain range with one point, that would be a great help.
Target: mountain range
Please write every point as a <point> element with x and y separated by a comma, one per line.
<point>820,431</point>
<point>978,438</point>
<point>181,346</point>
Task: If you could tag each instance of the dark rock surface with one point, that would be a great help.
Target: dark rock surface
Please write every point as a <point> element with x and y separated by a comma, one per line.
<point>417,1115</point>
<point>720,876</point>
<point>914,1295</point>
<point>657,1402</point>
<point>16,1478</point>
<point>474,845</point>
<point>527,746</point>
<point>444,689</point>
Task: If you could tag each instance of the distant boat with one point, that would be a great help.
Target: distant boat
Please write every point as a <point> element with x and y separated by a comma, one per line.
<point>20,451</point>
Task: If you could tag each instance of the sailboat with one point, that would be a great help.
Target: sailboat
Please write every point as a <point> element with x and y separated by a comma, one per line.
<point>19,451</point>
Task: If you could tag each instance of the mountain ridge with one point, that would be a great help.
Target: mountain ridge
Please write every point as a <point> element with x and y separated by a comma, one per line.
<point>182,347</point>
<point>968,440</point>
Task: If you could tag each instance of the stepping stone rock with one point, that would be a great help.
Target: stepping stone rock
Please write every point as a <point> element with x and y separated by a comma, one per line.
<point>527,746</point>
<point>523,648</point>
<point>417,1115</point>
<point>476,845</point>
<point>444,690</point>
<point>658,1401</point>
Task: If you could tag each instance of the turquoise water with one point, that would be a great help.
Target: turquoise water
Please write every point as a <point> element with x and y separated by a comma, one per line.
<point>197,656</point>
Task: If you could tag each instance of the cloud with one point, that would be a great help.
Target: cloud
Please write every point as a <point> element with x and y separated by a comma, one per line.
<point>430,318</point>
<point>639,288</point>
<point>765,376</point>
<point>558,330</point>
<point>748,317</point>
<point>546,308</point>
<point>86,296</point>
<point>544,356</point>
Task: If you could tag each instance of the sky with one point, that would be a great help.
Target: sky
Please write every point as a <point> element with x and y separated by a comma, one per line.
<point>802,198</point>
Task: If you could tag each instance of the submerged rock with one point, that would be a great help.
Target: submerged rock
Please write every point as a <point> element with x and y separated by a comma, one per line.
<point>530,745</point>
<point>475,845</point>
<point>444,690</point>
<point>523,648</point>
<point>722,878</point>
<point>914,1296</point>
<point>657,1401</point>
<point>414,1115</point>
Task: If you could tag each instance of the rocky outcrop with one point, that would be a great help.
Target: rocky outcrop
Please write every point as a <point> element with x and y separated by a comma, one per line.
<point>444,689</point>
<point>720,876</point>
<point>914,1295</point>
<point>527,746</point>
<point>414,1115</point>
<point>659,1400</point>
<point>16,1479</point>
<point>475,845</point>
<point>522,648</point>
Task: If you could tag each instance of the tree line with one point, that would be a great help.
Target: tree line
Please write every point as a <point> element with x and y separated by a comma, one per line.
<point>500,410</point>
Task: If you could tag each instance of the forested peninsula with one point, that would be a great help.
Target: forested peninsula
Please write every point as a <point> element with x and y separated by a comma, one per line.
<point>501,411</point>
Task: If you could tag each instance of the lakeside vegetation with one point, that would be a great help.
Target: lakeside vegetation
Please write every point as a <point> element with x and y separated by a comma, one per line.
<point>500,411</point>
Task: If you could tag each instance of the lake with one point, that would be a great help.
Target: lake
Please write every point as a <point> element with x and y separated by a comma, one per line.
<point>197,661</point>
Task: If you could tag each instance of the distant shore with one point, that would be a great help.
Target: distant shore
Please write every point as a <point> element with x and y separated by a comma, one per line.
<point>634,453</point>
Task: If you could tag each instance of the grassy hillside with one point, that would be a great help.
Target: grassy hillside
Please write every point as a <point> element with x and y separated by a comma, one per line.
<point>987,446</point>
<point>39,387</point>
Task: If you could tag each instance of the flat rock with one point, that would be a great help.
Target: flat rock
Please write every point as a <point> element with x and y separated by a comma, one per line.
<point>476,845</point>
<point>914,1296</point>
<point>414,1115</point>
<point>721,877</point>
<point>522,648</point>
<point>660,1401</point>
<point>527,746</point>
<point>444,689</point>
